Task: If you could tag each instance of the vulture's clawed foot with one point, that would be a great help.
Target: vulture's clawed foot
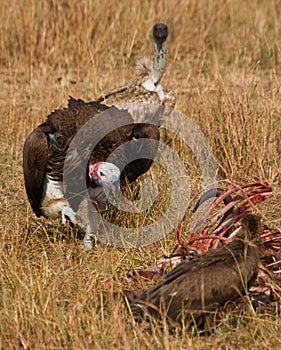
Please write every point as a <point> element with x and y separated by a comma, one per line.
<point>87,242</point>
<point>88,239</point>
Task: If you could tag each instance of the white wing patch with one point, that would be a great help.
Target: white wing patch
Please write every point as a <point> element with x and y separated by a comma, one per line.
<point>53,189</point>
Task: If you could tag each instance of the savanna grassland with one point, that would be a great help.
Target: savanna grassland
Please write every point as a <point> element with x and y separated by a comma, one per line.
<point>225,69</point>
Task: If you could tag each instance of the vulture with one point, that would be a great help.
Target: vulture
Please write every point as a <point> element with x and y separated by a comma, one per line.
<point>74,144</point>
<point>197,287</point>
<point>146,87</point>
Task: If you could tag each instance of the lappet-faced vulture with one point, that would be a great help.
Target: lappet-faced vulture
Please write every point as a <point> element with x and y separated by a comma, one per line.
<point>45,151</point>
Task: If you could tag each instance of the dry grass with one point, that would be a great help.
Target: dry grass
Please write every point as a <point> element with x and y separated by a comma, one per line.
<point>225,69</point>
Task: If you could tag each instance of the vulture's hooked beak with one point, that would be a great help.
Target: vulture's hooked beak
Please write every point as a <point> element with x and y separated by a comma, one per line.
<point>114,189</point>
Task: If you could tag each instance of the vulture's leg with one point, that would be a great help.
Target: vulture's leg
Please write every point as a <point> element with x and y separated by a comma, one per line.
<point>86,212</point>
<point>72,216</point>
<point>68,212</point>
<point>87,240</point>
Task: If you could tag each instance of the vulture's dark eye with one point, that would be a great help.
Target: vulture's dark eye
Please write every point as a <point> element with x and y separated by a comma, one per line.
<point>101,173</point>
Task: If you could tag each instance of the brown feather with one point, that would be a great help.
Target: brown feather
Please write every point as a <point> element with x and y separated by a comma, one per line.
<point>35,157</point>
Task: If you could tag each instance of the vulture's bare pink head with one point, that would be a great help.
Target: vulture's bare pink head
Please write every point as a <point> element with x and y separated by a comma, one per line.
<point>105,174</point>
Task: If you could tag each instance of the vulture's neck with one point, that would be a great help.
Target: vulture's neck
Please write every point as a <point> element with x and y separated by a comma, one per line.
<point>160,61</point>
<point>159,65</point>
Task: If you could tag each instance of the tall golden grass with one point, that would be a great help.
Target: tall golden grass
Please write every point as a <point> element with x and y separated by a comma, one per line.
<point>225,70</point>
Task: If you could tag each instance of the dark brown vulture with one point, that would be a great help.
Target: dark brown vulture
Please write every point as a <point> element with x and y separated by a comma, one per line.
<point>196,287</point>
<point>46,148</point>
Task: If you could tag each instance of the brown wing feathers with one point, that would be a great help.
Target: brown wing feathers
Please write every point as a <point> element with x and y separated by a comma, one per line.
<point>35,157</point>
<point>214,278</point>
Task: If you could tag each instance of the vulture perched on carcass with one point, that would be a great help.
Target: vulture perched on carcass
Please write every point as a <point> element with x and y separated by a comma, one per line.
<point>61,149</point>
<point>197,287</point>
